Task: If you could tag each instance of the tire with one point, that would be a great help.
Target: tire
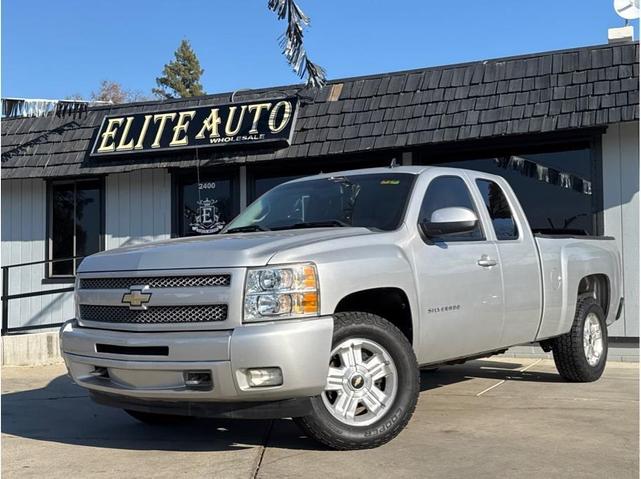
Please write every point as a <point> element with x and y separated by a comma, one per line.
<point>574,361</point>
<point>396,385</point>
<point>157,419</point>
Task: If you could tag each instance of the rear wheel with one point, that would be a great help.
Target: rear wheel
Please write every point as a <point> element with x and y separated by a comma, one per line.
<point>157,419</point>
<point>580,355</point>
<point>372,385</point>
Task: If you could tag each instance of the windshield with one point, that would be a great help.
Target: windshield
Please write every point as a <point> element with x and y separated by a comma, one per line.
<point>374,201</point>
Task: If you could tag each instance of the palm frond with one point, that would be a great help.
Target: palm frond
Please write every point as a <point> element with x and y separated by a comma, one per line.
<point>291,42</point>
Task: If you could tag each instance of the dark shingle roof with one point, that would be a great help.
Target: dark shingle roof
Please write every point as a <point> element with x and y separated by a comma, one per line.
<point>578,88</point>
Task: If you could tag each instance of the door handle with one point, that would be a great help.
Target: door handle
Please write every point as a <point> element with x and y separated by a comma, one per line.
<point>486,261</point>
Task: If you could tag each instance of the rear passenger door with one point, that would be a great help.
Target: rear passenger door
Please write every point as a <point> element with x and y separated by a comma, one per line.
<point>459,280</point>
<point>519,260</point>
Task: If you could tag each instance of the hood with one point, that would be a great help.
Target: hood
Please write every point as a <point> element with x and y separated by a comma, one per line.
<point>215,251</point>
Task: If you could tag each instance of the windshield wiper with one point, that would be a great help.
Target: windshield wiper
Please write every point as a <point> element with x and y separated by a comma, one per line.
<point>247,229</point>
<point>313,224</point>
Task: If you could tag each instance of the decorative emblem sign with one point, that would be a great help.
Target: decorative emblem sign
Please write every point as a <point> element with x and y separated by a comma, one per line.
<point>137,297</point>
<point>197,127</point>
<point>207,220</point>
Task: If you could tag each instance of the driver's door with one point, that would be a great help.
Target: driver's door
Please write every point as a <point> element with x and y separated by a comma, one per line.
<point>459,278</point>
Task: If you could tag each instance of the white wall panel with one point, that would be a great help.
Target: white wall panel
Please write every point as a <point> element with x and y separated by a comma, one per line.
<point>138,207</point>
<point>621,213</point>
<point>23,236</point>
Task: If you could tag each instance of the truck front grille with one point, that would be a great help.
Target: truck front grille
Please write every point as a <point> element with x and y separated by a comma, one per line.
<point>157,282</point>
<point>153,314</point>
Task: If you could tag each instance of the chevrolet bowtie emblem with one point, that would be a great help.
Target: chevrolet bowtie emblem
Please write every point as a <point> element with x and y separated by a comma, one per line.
<point>136,298</point>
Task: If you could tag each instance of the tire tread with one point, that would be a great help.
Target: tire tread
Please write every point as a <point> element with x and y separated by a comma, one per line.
<point>315,430</point>
<point>567,349</point>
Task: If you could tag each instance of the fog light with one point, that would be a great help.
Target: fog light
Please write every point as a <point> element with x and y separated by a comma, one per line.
<point>198,379</point>
<point>263,377</point>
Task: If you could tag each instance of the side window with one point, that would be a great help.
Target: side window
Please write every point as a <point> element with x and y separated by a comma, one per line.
<point>445,192</point>
<point>499,209</point>
<point>75,223</point>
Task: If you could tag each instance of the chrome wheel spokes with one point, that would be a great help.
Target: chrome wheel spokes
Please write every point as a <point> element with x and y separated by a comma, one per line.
<point>592,339</point>
<point>362,382</point>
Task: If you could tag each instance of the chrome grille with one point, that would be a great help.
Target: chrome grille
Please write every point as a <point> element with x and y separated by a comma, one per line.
<point>157,282</point>
<point>154,314</point>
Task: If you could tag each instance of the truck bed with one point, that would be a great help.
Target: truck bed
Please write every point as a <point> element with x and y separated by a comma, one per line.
<point>565,261</point>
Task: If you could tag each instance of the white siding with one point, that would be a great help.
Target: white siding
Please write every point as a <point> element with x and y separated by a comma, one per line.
<point>23,240</point>
<point>621,213</point>
<point>138,207</point>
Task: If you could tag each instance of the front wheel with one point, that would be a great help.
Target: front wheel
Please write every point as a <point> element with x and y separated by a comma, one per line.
<point>372,385</point>
<point>580,355</point>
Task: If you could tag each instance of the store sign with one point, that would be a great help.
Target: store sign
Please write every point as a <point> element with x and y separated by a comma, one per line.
<point>197,127</point>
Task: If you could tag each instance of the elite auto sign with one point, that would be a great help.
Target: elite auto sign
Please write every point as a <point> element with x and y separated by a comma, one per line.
<point>197,127</point>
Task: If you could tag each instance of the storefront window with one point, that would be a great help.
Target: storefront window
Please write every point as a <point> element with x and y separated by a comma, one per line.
<point>555,189</point>
<point>205,207</point>
<point>75,226</point>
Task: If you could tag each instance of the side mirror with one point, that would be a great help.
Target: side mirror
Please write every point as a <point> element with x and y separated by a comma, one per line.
<point>447,221</point>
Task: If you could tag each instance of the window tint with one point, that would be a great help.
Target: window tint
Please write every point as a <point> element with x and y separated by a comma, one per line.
<point>446,192</point>
<point>376,201</point>
<point>264,184</point>
<point>499,210</point>
<point>76,223</point>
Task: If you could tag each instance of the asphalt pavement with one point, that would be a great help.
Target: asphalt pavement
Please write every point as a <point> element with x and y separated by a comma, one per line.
<point>495,418</point>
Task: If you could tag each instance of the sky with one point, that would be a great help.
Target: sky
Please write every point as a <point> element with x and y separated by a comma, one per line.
<point>54,49</point>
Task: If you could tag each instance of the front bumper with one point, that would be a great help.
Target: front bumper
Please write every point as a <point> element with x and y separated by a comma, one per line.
<point>151,366</point>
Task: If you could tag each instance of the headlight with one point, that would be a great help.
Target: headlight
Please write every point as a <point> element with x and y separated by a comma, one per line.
<point>281,292</point>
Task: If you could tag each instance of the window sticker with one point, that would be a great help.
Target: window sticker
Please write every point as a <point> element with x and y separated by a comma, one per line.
<point>390,182</point>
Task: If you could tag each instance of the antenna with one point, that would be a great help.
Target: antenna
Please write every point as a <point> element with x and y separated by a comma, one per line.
<point>393,164</point>
<point>627,9</point>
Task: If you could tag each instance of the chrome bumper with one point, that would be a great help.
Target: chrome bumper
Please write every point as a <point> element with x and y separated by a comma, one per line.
<point>151,366</point>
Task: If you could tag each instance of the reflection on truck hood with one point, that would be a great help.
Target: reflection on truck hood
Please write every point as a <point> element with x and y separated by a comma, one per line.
<point>219,251</point>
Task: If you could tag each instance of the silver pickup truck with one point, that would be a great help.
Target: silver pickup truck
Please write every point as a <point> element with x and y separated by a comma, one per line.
<point>325,297</point>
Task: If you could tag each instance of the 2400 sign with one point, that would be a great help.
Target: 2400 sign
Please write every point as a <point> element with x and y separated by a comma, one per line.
<point>203,126</point>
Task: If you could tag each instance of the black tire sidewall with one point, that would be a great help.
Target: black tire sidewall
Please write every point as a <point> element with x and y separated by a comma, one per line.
<point>569,354</point>
<point>408,383</point>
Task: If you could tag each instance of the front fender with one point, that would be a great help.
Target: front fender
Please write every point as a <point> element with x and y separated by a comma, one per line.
<point>349,265</point>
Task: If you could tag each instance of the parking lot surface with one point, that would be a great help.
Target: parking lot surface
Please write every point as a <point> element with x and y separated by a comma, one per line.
<point>501,417</point>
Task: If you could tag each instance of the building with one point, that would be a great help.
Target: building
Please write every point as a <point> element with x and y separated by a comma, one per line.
<point>562,127</point>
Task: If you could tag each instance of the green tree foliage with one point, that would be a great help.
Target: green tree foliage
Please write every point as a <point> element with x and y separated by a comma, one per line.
<point>180,77</point>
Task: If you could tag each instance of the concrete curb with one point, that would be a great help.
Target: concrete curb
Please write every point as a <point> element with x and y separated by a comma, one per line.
<point>31,349</point>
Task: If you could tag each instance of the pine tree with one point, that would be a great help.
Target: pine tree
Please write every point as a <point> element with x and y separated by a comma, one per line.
<point>181,76</point>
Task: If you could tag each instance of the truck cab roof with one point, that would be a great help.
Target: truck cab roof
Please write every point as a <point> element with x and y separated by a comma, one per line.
<point>413,170</point>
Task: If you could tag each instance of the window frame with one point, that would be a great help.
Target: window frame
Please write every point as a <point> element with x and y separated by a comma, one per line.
<point>484,237</point>
<point>49,277</point>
